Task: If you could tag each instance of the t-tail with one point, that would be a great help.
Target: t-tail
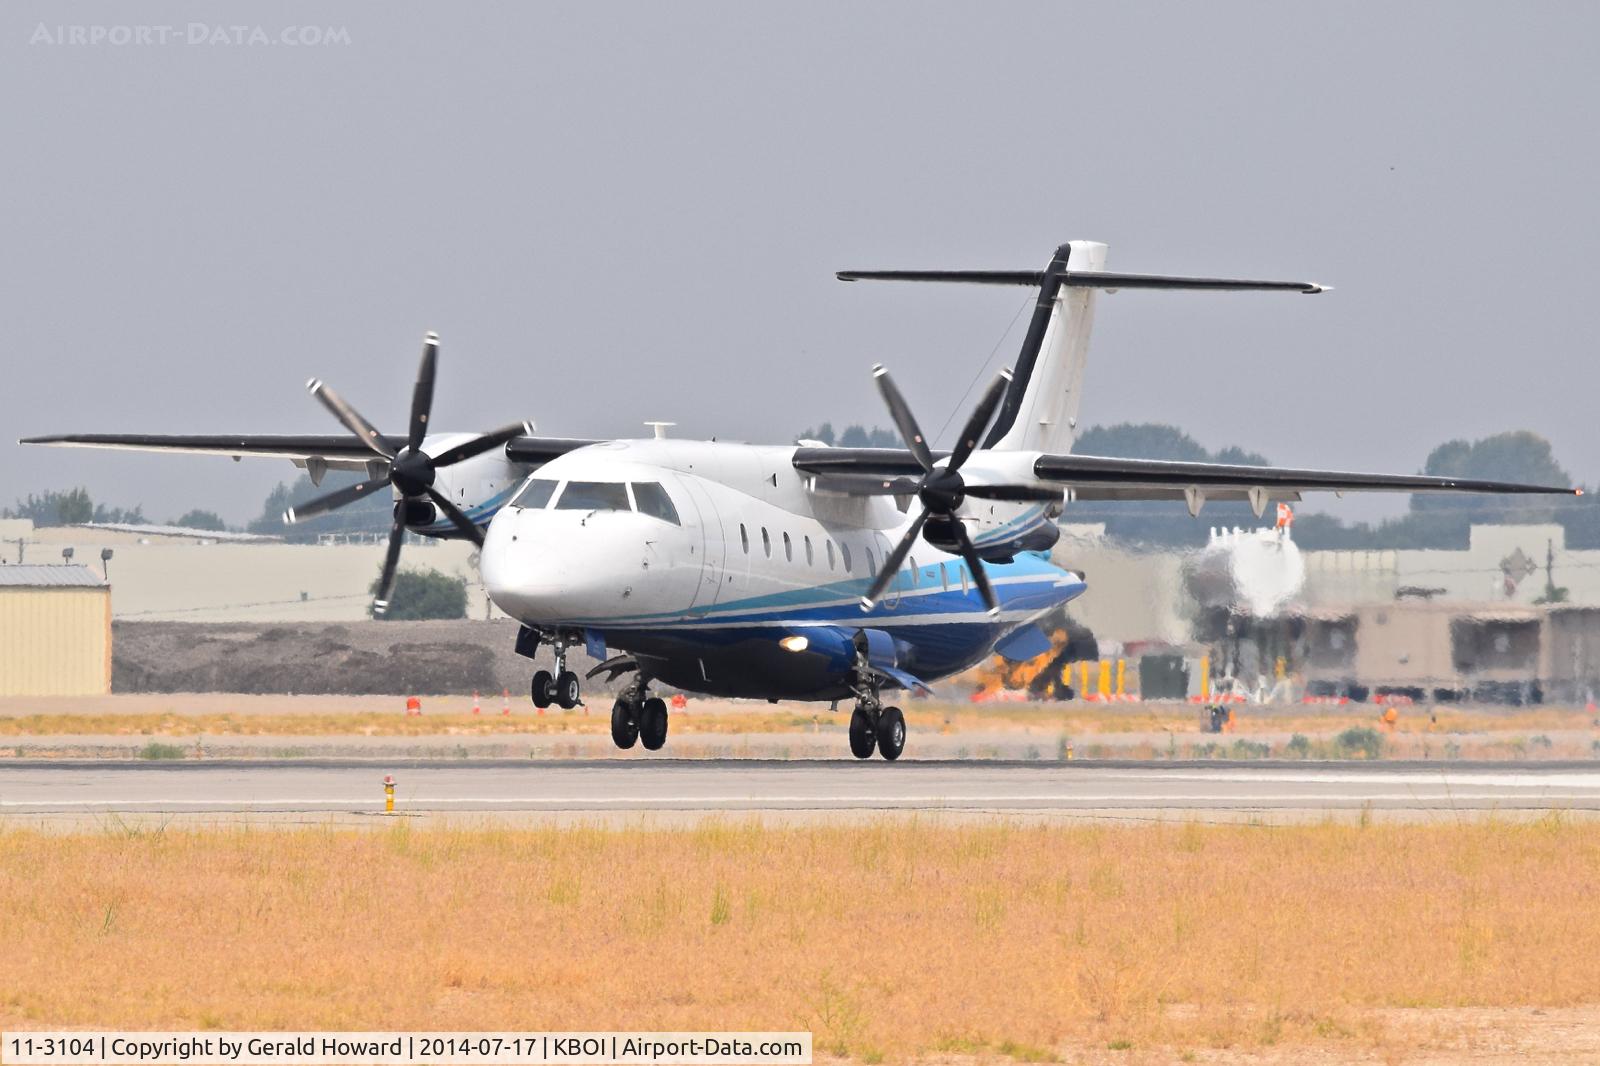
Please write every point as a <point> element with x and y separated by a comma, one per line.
<point>1040,409</point>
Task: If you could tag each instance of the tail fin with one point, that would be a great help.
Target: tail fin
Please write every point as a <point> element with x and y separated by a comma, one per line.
<point>1040,410</point>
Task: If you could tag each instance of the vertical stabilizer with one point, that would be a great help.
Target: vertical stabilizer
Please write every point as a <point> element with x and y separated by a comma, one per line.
<point>1040,412</point>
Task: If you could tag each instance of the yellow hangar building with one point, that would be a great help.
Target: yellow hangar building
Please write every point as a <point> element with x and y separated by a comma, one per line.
<point>55,631</point>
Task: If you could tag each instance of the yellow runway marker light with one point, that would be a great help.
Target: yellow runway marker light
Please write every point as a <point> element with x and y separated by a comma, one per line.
<point>388,793</point>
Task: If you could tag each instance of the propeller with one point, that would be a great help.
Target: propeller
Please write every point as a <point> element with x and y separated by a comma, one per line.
<point>410,471</point>
<point>941,490</point>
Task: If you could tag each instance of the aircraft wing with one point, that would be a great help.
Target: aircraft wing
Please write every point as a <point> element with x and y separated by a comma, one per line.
<point>1026,476</point>
<point>336,449</point>
<point>1099,477</point>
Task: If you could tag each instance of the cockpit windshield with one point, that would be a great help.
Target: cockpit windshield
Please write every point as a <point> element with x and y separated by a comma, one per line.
<point>594,496</point>
<point>649,497</point>
<point>535,494</point>
<point>654,501</point>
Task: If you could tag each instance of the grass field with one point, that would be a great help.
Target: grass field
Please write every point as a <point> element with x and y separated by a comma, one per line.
<point>890,942</point>
<point>222,715</point>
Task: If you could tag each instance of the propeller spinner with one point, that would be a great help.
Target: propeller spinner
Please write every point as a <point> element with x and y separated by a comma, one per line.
<point>410,471</point>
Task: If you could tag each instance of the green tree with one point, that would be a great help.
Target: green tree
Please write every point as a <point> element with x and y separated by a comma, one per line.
<point>75,507</point>
<point>421,594</point>
<point>824,433</point>
<point>198,519</point>
<point>70,508</point>
<point>1142,440</point>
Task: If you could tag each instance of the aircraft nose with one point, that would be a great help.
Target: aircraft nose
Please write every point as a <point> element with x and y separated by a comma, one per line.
<point>537,570</point>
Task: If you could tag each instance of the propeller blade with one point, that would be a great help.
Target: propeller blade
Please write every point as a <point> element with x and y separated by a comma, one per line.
<point>452,512</point>
<point>479,445</point>
<point>332,501</point>
<point>980,576</point>
<point>904,420</point>
<point>397,536</point>
<point>422,394</point>
<point>1013,493</point>
<point>350,417</point>
<point>891,565</point>
<point>979,420</point>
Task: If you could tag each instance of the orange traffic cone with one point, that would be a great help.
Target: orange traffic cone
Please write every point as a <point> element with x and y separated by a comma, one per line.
<point>413,706</point>
<point>505,696</point>
<point>477,708</point>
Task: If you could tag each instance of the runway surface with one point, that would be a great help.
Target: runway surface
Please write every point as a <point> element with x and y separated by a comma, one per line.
<point>529,790</point>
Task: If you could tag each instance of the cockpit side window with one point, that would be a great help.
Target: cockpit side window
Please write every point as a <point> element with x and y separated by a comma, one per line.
<point>535,494</point>
<point>653,500</point>
<point>594,496</point>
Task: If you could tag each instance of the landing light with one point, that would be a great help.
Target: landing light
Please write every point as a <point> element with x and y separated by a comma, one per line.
<point>795,643</point>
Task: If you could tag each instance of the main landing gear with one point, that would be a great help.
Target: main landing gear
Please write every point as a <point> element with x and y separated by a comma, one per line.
<point>561,688</point>
<point>874,727</point>
<point>639,716</point>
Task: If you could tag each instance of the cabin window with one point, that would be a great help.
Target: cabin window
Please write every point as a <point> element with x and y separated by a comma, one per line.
<point>788,548</point>
<point>913,572</point>
<point>944,577</point>
<point>744,538</point>
<point>653,500</point>
<point>594,496</point>
<point>830,554</point>
<point>844,550</point>
<point>535,494</point>
<point>766,542</point>
<point>810,559</point>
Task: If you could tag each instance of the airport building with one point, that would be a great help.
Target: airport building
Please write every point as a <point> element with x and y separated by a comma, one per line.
<point>1514,618</point>
<point>183,575</point>
<point>55,631</point>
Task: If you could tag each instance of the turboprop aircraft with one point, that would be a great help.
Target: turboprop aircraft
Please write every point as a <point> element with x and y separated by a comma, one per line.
<point>784,572</point>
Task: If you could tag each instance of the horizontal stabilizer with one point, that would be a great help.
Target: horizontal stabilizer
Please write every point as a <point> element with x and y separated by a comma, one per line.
<point>1083,279</point>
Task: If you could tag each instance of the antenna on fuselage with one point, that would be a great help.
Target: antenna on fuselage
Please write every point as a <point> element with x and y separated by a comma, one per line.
<point>661,428</point>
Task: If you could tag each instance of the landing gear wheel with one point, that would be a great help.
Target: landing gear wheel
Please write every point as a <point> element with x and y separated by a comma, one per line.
<point>653,724</point>
<point>891,733</point>
<point>544,689</point>
<point>624,726</point>
<point>566,689</point>
<point>862,738</point>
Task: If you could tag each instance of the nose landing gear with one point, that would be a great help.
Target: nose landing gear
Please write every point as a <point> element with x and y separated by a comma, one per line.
<point>561,688</point>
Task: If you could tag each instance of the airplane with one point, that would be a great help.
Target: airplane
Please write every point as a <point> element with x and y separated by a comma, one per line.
<point>796,572</point>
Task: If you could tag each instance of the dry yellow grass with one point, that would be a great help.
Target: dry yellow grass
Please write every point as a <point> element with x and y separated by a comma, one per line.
<point>297,718</point>
<point>887,940</point>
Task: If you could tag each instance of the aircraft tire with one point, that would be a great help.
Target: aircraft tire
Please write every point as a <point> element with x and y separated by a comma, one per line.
<point>624,727</point>
<point>891,733</point>
<point>653,724</point>
<point>862,738</point>
<point>544,689</point>
<point>567,693</point>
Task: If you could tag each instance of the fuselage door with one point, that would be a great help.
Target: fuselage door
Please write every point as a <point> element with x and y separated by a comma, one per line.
<point>712,548</point>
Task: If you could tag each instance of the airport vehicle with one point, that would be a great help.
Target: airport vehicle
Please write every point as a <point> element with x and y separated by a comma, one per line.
<point>784,572</point>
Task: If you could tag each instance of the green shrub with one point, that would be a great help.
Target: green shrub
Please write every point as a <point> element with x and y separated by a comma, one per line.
<point>1359,742</point>
<point>420,594</point>
<point>1299,747</point>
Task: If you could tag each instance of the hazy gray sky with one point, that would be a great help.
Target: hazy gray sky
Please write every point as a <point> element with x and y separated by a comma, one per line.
<point>616,212</point>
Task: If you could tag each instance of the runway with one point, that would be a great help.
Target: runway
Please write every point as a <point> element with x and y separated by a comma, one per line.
<point>75,792</point>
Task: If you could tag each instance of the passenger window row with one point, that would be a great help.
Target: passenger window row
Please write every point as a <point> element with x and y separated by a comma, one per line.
<point>843,554</point>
